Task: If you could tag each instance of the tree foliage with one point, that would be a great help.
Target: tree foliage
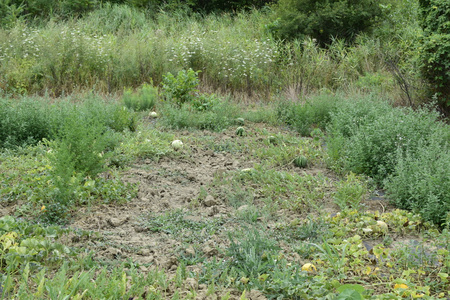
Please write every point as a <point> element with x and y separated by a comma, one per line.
<point>324,20</point>
<point>435,54</point>
<point>10,10</point>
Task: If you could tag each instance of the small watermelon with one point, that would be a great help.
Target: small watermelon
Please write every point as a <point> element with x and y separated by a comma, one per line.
<point>301,162</point>
<point>240,131</point>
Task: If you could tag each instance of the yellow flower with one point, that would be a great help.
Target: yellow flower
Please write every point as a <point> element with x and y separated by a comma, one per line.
<point>43,208</point>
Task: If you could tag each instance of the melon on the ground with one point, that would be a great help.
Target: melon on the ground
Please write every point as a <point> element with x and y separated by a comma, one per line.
<point>301,162</point>
<point>240,131</point>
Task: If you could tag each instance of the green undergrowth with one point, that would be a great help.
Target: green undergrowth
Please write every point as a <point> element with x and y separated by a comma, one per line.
<point>28,179</point>
<point>284,189</point>
<point>36,265</point>
<point>391,145</point>
<point>216,118</point>
<point>63,154</point>
<point>280,221</point>
<point>179,224</point>
<point>402,150</point>
<point>350,253</point>
<point>281,149</point>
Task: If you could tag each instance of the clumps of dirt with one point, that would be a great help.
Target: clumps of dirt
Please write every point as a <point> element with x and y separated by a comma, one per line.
<point>179,182</point>
<point>172,183</point>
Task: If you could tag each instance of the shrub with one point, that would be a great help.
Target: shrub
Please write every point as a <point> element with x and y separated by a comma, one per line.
<point>405,151</point>
<point>144,99</point>
<point>82,142</point>
<point>366,136</point>
<point>77,7</point>
<point>24,122</point>
<point>421,180</point>
<point>122,119</point>
<point>324,19</point>
<point>435,54</point>
<point>10,13</point>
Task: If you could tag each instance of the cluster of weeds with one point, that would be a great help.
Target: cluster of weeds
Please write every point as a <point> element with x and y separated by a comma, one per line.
<point>282,149</point>
<point>350,192</point>
<point>28,178</point>
<point>255,262</point>
<point>290,190</point>
<point>144,99</point>
<point>178,224</point>
<point>144,143</point>
<point>218,117</point>
<point>312,230</point>
<point>65,166</point>
<point>186,108</point>
<point>308,115</point>
<point>25,245</point>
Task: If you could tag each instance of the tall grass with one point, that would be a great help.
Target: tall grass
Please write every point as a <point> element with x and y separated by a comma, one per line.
<point>117,46</point>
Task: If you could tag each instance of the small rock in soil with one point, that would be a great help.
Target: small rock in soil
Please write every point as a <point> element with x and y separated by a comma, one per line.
<point>210,201</point>
<point>210,251</point>
<point>169,263</point>
<point>190,251</point>
<point>116,222</point>
<point>255,295</point>
<point>112,253</point>
<point>211,211</point>
<point>144,252</point>
<point>191,283</point>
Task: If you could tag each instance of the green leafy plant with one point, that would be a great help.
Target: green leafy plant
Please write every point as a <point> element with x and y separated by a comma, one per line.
<point>77,7</point>
<point>363,139</point>
<point>25,121</point>
<point>181,88</point>
<point>176,223</point>
<point>10,13</point>
<point>23,243</point>
<point>205,102</point>
<point>253,255</point>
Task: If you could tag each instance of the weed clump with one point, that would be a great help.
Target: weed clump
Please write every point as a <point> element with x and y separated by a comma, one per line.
<point>144,99</point>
